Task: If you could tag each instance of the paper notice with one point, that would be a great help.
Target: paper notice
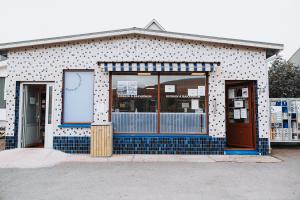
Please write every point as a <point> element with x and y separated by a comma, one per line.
<point>185,105</point>
<point>237,114</point>
<point>245,92</point>
<point>238,104</point>
<point>122,87</point>
<point>192,92</point>
<point>195,104</point>
<point>201,91</point>
<point>244,113</point>
<point>170,88</point>
<point>132,88</point>
<point>231,94</point>
<point>127,88</point>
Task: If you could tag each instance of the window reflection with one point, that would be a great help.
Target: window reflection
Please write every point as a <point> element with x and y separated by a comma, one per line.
<point>133,93</point>
<point>182,93</point>
<point>135,100</point>
<point>182,100</point>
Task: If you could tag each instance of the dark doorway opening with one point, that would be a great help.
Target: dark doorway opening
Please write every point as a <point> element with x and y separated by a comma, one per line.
<point>33,115</point>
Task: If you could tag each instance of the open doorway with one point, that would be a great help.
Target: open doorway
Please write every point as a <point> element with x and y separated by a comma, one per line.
<point>35,115</point>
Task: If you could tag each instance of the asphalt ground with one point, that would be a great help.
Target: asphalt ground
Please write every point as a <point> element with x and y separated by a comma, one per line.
<point>157,180</point>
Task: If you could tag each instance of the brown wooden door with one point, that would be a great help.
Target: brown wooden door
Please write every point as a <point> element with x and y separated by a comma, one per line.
<point>240,114</point>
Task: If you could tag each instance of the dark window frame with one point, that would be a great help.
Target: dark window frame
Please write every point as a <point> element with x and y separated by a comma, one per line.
<point>158,74</point>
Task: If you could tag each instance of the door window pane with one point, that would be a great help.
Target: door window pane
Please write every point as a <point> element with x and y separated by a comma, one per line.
<point>50,105</point>
<point>237,103</point>
<point>182,104</point>
<point>134,106</point>
<point>78,96</point>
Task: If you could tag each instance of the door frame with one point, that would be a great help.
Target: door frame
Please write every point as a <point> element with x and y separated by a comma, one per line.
<point>21,97</point>
<point>252,84</point>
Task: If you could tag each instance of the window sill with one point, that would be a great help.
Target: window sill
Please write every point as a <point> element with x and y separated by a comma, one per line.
<point>74,126</point>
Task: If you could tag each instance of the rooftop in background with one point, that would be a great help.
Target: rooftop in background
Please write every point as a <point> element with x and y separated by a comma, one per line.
<point>152,29</point>
<point>295,58</point>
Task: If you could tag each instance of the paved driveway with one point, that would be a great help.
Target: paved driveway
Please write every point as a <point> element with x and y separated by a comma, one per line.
<point>157,180</point>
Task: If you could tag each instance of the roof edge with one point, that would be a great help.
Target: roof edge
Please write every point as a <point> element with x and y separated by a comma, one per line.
<point>134,30</point>
<point>294,54</point>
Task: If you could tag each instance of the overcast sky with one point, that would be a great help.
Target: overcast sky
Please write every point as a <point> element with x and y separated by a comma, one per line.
<point>275,21</point>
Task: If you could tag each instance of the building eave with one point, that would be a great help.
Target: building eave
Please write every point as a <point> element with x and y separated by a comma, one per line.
<point>272,47</point>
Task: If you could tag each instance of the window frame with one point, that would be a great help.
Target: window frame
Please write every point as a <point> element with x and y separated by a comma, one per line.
<point>4,91</point>
<point>63,95</point>
<point>158,74</point>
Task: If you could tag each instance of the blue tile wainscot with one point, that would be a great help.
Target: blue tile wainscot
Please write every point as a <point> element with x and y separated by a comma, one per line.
<point>147,144</point>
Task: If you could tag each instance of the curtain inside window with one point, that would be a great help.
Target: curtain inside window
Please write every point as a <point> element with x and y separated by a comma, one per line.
<point>78,97</point>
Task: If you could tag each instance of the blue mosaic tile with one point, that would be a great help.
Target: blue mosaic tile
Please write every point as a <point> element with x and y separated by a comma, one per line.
<point>173,144</point>
<point>11,142</point>
<point>72,144</point>
<point>141,144</point>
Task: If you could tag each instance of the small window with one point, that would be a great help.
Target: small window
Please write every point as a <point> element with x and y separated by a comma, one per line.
<point>78,96</point>
<point>2,88</point>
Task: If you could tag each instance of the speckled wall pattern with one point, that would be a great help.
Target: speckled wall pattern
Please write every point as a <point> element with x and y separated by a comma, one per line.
<point>46,63</point>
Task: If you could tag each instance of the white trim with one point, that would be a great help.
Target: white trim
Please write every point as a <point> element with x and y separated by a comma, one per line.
<point>140,31</point>
<point>20,115</point>
<point>48,137</point>
<point>153,21</point>
<point>21,107</point>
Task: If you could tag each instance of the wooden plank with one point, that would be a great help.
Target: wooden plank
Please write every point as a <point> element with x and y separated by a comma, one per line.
<point>101,140</point>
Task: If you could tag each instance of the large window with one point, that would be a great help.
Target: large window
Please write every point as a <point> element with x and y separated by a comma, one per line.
<point>159,103</point>
<point>78,96</point>
<point>134,104</point>
<point>182,99</point>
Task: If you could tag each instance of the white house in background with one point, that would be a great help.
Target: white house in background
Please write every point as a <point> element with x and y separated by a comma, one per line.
<point>295,58</point>
<point>3,74</point>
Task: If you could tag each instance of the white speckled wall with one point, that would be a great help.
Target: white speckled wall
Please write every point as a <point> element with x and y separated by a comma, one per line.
<point>46,63</point>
